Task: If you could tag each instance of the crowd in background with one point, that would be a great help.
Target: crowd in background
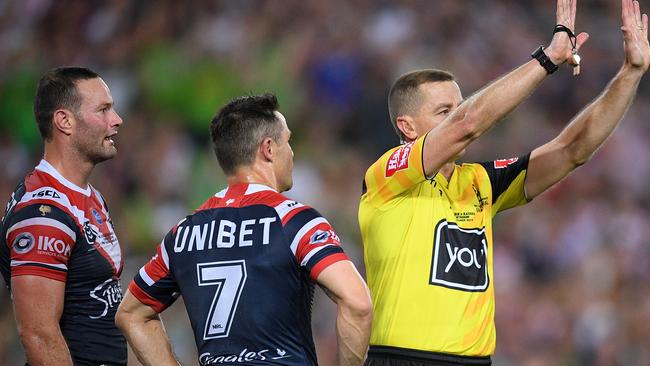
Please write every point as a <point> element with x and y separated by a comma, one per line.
<point>572,268</point>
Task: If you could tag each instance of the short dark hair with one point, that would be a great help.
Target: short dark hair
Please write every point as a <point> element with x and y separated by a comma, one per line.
<point>58,89</point>
<point>239,127</point>
<point>404,97</point>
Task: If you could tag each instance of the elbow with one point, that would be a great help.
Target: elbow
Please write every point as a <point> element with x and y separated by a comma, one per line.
<point>577,156</point>
<point>360,309</point>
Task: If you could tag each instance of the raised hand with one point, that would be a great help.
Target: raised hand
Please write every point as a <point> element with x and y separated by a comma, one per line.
<point>635,35</point>
<point>560,49</point>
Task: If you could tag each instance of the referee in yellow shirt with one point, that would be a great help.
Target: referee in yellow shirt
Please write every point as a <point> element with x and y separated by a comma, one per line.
<point>426,221</point>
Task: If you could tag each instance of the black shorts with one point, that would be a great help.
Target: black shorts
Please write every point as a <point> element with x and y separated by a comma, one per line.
<point>394,356</point>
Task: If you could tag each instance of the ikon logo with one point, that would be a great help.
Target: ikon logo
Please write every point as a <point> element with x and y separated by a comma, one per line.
<point>459,258</point>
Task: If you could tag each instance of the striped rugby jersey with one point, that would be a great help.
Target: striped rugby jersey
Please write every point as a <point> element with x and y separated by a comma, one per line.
<point>428,250</point>
<point>245,263</point>
<point>55,229</point>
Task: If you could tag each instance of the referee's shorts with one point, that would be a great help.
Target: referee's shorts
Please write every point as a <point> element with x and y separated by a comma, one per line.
<point>394,356</point>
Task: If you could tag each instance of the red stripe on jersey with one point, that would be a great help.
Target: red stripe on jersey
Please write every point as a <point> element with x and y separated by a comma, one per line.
<point>39,246</point>
<point>293,213</point>
<point>306,245</point>
<point>30,270</point>
<point>326,262</point>
<point>144,298</point>
<point>156,267</point>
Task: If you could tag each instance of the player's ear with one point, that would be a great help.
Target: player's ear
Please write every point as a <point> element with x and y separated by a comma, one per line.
<point>406,125</point>
<point>63,120</point>
<point>266,148</point>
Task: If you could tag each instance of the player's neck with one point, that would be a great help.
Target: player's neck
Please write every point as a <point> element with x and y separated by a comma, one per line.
<point>70,166</point>
<point>253,175</point>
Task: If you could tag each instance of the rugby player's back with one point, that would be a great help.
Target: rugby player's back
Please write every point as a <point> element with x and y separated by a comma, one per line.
<point>245,263</point>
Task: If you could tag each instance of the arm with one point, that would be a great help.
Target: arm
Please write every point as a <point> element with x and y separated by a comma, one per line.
<point>38,305</point>
<point>489,105</point>
<point>145,332</point>
<point>576,144</point>
<point>347,289</point>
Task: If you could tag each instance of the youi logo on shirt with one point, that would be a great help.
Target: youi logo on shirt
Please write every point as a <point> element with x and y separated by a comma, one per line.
<point>459,258</point>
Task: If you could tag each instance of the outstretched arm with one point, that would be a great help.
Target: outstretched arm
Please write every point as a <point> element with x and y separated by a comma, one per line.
<point>346,288</point>
<point>489,105</point>
<point>553,161</point>
<point>145,333</point>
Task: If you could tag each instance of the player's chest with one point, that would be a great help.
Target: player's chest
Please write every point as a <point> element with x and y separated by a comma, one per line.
<point>97,249</point>
<point>465,204</point>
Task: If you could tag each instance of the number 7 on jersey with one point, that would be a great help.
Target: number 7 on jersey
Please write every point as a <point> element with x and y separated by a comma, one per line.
<point>229,277</point>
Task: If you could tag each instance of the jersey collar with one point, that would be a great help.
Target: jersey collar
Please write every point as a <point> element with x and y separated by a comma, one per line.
<point>46,167</point>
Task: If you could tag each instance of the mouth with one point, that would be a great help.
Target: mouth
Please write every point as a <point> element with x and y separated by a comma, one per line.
<point>109,139</point>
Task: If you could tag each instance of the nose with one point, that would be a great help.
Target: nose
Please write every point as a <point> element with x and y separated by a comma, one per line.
<point>117,120</point>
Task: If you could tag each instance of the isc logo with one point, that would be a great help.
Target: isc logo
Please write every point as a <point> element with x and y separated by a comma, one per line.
<point>459,258</point>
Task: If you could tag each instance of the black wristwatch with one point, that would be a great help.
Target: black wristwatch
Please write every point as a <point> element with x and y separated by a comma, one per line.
<point>546,62</point>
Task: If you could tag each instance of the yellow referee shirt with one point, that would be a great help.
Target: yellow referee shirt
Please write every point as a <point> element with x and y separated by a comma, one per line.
<point>428,250</point>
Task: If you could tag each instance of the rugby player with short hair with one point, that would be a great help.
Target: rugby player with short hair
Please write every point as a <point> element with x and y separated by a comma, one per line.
<point>59,255</point>
<point>426,221</point>
<point>247,260</point>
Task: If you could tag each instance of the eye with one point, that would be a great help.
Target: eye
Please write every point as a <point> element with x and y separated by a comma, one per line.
<point>444,112</point>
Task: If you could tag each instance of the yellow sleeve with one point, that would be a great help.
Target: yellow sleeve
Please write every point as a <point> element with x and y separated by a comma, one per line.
<point>396,172</point>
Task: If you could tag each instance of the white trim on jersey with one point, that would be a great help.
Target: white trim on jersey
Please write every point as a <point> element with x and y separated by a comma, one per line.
<point>254,188</point>
<point>221,193</point>
<point>165,256</point>
<point>311,253</point>
<point>308,226</point>
<point>46,167</point>
<point>59,266</point>
<point>43,221</point>
<point>287,206</point>
<point>62,199</point>
<point>145,277</point>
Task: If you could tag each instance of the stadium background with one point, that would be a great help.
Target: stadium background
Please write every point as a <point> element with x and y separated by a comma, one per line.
<point>572,268</point>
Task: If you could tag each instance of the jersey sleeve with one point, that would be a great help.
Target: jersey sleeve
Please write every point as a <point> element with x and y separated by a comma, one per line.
<point>396,172</point>
<point>507,178</point>
<point>40,239</point>
<point>312,239</point>
<point>154,284</point>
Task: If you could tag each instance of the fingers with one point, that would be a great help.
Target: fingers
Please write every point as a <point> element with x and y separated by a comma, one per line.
<point>645,25</point>
<point>581,39</point>
<point>637,14</point>
<point>573,5</point>
<point>625,11</point>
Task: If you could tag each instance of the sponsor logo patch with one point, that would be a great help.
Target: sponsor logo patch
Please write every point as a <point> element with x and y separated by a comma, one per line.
<point>502,163</point>
<point>23,243</point>
<point>319,236</point>
<point>97,216</point>
<point>399,160</point>
<point>459,258</point>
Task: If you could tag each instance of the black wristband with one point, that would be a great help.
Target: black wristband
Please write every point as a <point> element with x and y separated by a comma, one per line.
<point>546,62</point>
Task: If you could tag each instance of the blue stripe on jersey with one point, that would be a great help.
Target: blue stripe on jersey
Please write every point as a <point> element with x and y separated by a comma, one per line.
<point>296,223</point>
<point>326,251</point>
<point>164,290</point>
<point>42,210</point>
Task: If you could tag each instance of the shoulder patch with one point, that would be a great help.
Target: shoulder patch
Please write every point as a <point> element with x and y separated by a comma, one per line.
<point>502,163</point>
<point>399,159</point>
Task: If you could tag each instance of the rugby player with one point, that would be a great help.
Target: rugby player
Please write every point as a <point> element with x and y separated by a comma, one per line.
<point>247,260</point>
<point>59,255</point>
